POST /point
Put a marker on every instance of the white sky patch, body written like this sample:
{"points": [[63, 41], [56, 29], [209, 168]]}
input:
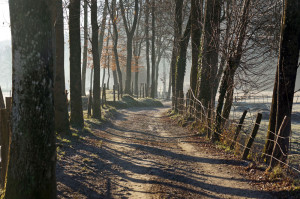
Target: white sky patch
{"points": [[4, 21]]}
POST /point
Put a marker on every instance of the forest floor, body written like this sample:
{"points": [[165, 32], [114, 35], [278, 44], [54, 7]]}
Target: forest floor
{"points": [[142, 153]]}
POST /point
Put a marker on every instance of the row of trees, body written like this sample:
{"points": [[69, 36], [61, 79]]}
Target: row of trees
{"points": [[40, 105], [233, 44]]}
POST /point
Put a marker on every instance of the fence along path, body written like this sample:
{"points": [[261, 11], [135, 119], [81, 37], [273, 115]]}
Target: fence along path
{"points": [[193, 108]]}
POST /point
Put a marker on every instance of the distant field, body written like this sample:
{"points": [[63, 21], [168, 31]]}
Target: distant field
{"points": [[261, 104]]}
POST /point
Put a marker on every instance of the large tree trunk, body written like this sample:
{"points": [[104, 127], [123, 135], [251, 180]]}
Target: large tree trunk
{"points": [[196, 31], [60, 98], [95, 51], [287, 71], [153, 51], [175, 51], [32, 159], [75, 62], [85, 47]]}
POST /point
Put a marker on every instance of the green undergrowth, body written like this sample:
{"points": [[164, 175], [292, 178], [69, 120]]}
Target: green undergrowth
{"points": [[128, 101]]}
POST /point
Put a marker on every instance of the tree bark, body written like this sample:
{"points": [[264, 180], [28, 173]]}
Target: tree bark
{"points": [[75, 62], [85, 47], [130, 34], [60, 99], [147, 46], [232, 64], [153, 51], [95, 51], [32, 159], [196, 31], [287, 71], [102, 32], [210, 49], [175, 51], [269, 145], [181, 63], [115, 42]]}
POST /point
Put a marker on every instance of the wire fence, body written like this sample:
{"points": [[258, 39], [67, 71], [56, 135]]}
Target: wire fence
{"points": [[240, 134]]}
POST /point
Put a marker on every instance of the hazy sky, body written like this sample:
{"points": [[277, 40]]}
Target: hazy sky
{"points": [[4, 20]]}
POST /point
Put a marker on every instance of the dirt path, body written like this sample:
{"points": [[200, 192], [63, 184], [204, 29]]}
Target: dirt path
{"points": [[142, 155]]}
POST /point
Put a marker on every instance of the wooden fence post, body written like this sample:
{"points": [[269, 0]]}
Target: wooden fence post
{"points": [[238, 129], [252, 136]]}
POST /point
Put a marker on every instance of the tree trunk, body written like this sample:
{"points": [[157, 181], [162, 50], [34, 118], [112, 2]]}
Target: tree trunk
{"points": [[224, 53], [287, 71], [91, 79], [232, 65], [175, 51], [153, 51], [210, 49], [106, 60], [181, 63], [170, 85], [103, 77], [196, 31], [102, 31], [147, 46], [75, 62], [85, 47], [130, 34], [269, 145], [60, 99], [228, 101], [128, 65], [136, 81], [115, 77], [115, 43], [95, 51], [108, 72], [32, 159], [160, 52]]}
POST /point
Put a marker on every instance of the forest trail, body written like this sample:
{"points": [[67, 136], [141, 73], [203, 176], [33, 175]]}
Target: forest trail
{"points": [[141, 154]]}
